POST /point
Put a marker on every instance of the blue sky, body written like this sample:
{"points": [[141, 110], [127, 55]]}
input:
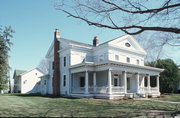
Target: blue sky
{"points": [[34, 22]]}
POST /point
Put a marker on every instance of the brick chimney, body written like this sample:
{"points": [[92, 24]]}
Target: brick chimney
{"points": [[95, 41], [56, 72]]}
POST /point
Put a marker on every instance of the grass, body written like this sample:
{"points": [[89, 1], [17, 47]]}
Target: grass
{"points": [[16, 105], [171, 97]]}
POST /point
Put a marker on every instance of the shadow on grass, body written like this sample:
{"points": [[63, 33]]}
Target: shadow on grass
{"points": [[38, 95]]}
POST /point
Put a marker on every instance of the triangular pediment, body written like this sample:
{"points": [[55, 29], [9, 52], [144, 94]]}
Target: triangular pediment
{"points": [[129, 43]]}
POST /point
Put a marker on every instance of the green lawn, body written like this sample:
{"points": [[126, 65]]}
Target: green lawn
{"points": [[35, 106], [171, 97]]}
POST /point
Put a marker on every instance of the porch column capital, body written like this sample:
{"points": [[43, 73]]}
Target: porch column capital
{"points": [[110, 69]]}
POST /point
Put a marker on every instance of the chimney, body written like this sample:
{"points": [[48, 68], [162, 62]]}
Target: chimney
{"points": [[56, 73], [95, 41]]}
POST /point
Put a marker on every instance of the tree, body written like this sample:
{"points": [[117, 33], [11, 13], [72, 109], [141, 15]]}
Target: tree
{"points": [[130, 16], [169, 78], [44, 66], [5, 43]]}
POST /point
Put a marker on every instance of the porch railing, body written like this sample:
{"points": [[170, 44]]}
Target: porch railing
{"points": [[117, 89], [98, 90], [78, 89], [146, 90], [154, 89]]}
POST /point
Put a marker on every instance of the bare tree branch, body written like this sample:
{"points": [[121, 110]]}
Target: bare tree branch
{"points": [[124, 29], [141, 11]]}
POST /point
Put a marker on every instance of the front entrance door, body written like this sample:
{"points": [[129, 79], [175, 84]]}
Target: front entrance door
{"points": [[128, 83], [116, 80]]}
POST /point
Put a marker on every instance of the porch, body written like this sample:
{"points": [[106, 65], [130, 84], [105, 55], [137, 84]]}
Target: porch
{"points": [[113, 83]]}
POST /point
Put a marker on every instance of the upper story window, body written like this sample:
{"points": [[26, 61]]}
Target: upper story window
{"points": [[128, 59], [137, 61], [25, 81], [64, 80], [101, 58], [117, 57], [53, 65], [127, 44], [64, 61]]}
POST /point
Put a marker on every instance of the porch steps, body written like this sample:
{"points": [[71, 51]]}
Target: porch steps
{"points": [[135, 95]]}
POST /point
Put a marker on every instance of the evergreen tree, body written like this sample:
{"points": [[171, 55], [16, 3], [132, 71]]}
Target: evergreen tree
{"points": [[5, 43]]}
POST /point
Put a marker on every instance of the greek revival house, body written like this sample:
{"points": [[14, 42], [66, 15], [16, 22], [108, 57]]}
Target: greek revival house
{"points": [[110, 70]]}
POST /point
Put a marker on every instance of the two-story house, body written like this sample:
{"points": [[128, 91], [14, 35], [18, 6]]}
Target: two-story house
{"points": [[110, 70]]}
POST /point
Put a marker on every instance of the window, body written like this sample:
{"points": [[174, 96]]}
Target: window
{"points": [[53, 65], [117, 57], [145, 81], [138, 61], [128, 59], [82, 81], [128, 83], [101, 58], [44, 82], [25, 81], [127, 44], [115, 81], [64, 80], [64, 61]]}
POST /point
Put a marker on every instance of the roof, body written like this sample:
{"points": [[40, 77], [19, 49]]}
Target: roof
{"points": [[87, 45], [119, 63], [18, 72], [31, 70], [75, 42]]}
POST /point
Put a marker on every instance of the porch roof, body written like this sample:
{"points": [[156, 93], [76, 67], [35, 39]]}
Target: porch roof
{"points": [[114, 65]]}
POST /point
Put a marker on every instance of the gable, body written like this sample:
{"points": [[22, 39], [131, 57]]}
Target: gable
{"points": [[50, 52], [128, 43], [18, 73], [34, 71]]}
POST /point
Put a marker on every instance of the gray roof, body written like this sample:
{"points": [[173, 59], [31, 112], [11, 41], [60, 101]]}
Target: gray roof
{"points": [[75, 42]]}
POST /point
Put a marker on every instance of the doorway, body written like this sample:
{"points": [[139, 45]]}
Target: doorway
{"points": [[128, 84]]}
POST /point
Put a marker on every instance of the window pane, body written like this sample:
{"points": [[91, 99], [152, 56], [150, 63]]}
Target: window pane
{"points": [[64, 83], [64, 61], [128, 59], [117, 57]]}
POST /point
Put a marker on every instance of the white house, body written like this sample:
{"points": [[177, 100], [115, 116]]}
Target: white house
{"points": [[27, 81], [110, 70]]}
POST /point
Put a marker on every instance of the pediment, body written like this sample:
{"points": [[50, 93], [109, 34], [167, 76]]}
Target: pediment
{"points": [[129, 43]]}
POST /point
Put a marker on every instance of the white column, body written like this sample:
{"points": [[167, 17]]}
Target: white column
{"points": [[94, 81], [148, 80], [125, 81], [142, 83], [157, 82], [137, 78], [109, 81], [86, 82]]}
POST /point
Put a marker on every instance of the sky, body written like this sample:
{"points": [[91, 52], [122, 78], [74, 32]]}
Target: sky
{"points": [[35, 21]]}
